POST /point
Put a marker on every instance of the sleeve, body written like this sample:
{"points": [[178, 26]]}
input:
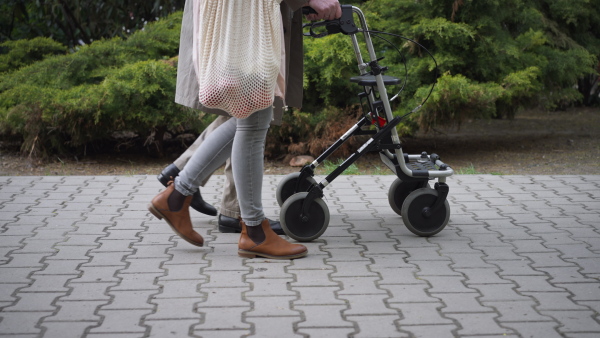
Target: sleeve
{"points": [[295, 4]]}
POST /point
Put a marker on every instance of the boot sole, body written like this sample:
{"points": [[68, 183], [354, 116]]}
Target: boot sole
{"points": [[160, 216], [251, 254]]}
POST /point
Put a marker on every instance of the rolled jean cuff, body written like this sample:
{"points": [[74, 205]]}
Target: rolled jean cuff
{"points": [[179, 186], [254, 223], [229, 213]]}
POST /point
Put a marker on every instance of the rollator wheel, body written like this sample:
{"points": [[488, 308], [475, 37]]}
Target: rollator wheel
{"points": [[414, 217], [308, 229], [286, 187], [399, 190]]}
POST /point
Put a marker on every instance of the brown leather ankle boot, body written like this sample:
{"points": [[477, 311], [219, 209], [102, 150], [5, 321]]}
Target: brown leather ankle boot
{"points": [[273, 247], [179, 220]]}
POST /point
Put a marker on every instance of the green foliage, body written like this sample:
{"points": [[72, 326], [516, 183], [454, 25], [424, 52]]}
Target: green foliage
{"points": [[494, 59], [330, 166], [329, 63], [455, 99], [66, 102], [79, 22], [16, 54]]}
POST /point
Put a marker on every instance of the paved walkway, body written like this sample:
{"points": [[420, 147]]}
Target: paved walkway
{"points": [[81, 256]]}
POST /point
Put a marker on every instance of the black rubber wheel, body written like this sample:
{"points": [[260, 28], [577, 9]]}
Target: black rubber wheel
{"points": [[308, 229], [399, 190], [286, 187], [414, 217]]}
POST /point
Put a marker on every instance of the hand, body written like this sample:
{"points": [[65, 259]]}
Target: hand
{"points": [[326, 10]]}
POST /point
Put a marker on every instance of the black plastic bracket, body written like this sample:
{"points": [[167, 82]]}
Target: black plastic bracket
{"points": [[306, 172], [442, 189], [315, 192]]}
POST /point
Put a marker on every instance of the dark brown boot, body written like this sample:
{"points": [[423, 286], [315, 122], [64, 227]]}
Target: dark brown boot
{"points": [[272, 247], [177, 218]]}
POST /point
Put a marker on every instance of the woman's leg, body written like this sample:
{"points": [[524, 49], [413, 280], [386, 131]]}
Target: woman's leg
{"points": [[247, 159], [173, 203], [210, 155]]}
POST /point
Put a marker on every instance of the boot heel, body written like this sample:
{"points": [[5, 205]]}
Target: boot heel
{"points": [[154, 212], [246, 254]]}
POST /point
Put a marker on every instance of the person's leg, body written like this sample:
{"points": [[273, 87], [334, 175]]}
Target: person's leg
{"points": [[181, 161], [173, 203], [230, 207], [208, 157], [229, 213], [256, 240], [172, 170], [247, 157]]}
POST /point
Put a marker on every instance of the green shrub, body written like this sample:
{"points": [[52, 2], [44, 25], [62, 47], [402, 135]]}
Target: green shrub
{"points": [[16, 54], [455, 99], [67, 102]]}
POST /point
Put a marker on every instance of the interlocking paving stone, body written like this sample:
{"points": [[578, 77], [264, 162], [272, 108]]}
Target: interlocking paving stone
{"points": [[82, 257]]}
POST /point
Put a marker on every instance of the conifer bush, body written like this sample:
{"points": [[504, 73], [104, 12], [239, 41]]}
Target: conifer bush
{"points": [[71, 101]]}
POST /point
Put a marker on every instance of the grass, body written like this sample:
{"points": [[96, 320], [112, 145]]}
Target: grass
{"points": [[328, 167], [470, 170]]}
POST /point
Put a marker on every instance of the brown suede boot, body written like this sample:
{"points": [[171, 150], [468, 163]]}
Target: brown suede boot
{"points": [[273, 246], [179, 219]]}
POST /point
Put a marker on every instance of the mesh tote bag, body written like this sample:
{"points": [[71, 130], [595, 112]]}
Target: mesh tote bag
{"points": [[237, 53]]}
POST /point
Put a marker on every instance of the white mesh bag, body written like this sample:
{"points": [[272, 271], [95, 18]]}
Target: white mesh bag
{"points": [[237, 53]]}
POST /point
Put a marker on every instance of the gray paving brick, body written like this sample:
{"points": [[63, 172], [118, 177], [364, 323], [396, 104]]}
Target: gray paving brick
{"points": [[82, 256], [534, 284], [232, 296], [175, 309], [462, 303], [66, 329], [33, 302], [582, 291], [517, 311], [314, 278], [551, 301], [422, 314], [91, 274], [130, 299], [575, 321], [120, 321], [172, 327], [21, 323], [48, 283], [500, 293], [317, 296], [409, 293], [359, 286], [473, 324], [376, 326], [323, 316], [94, 291], [26, 260], [61, 267], [271, 307], [179, 289], [400, 276], [284, 326], [429, 330], [222, 318], [447, 284], [74, 311]]}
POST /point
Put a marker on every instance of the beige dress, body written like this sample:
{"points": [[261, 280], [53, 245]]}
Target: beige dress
{"points": [[187, 85]]}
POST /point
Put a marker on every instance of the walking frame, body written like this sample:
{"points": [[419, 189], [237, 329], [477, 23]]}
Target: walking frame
{"points": [[425, 211]]}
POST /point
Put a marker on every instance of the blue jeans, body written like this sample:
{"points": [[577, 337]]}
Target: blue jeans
{"points": [[244, 141]]}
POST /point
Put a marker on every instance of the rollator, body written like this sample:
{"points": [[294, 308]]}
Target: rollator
{"points": [[425, 210]]}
